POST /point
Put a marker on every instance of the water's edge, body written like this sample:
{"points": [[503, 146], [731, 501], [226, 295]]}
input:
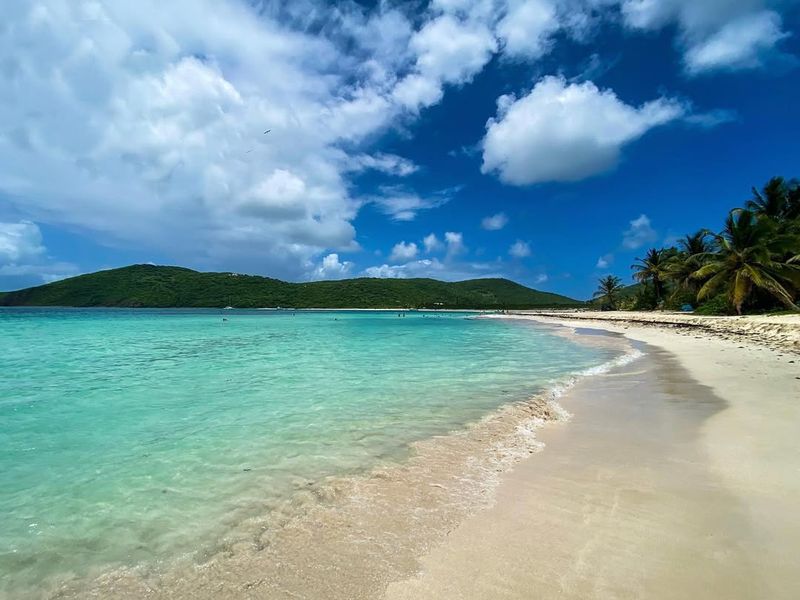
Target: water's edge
{"points": [[347, 537]]}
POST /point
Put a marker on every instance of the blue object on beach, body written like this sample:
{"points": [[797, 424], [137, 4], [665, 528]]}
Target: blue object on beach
{"points": [[687, 308]]}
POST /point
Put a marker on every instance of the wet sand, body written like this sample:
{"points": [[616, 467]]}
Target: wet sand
{"points": [[678, 477]]}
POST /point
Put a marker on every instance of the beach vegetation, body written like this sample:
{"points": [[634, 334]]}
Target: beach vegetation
{"points": [[608, 292], [751, 265]]}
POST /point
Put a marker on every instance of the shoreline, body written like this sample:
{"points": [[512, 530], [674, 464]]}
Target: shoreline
{"points": [[780, 332], [349, 537], [400, 531], [685, 486]]}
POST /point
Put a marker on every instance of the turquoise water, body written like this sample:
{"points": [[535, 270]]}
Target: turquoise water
{"points": [[134, 435]]}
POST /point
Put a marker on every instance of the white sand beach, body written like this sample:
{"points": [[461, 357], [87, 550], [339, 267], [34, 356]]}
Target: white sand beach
{"points": [[677, 477]]}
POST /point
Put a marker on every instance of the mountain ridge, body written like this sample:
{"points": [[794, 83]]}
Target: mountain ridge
{"points": [[155, 286]]}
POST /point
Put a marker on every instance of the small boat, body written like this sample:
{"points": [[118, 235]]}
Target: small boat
{"points": [[228, 308]]}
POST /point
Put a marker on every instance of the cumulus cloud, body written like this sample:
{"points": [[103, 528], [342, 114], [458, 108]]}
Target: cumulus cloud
{"points": [[432, 243], [402, 252], [494, 222], [436, 269], [448, 50], [742, 43], [566, 132], [520, 249], [332, 268], [714, 34], [639, 233], [155, 137], [455, 243], [527, 27], [604, 261], [20, 242], [23, 256]]}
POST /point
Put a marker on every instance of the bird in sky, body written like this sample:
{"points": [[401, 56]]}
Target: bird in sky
{"points": [[267, 131]]}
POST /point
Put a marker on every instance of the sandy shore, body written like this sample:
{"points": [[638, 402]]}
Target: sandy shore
{"points": [[774, 331], [678, 477]]}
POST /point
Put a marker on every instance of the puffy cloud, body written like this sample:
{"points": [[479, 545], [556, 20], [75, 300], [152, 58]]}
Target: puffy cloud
{"points": [[739, 44], [455, 243], [565, 132], [402, 252], [448, 50], [154, 136], [527, 27], [604, 261], [494, 222], [402, 204], [432, 243], [639, 233], [436, 269], [519, 249], [23, 257], [714, 34], [20, 242], [332, 268]]}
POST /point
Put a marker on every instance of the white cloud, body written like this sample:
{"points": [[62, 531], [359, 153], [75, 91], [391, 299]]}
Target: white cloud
{"points": [[449, 50], [494, 222], [565, 132], [432, 243], [402, 252], [714, 34], [455, 243], [604, 261], [20, 242], [435, 269], [391, 164], [519, 249], [332, 268], [154, 136], [527, 27], [541, 278], [23, 254], [739, 44], [403, 205], [639, 233]]}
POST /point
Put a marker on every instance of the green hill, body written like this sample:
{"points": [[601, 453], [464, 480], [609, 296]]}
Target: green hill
{"points": [[163, 287]]}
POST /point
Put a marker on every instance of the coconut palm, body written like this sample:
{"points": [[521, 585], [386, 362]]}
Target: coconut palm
{"points": [[609, 288], [695, 243], [778, 199], [683, 264], [750, 256], [653, 268]]}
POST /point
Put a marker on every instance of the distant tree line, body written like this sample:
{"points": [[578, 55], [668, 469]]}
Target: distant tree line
{"points": [[752, 265]]}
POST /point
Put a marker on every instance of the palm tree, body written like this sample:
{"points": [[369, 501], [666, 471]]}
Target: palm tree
{"points": [[683, 264], [750, 256], [653, 267], [779, 200], [695, 243], [608, 288]]}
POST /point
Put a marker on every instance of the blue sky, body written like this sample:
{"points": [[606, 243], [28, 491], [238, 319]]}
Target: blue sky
{"points": [[548, 141]]}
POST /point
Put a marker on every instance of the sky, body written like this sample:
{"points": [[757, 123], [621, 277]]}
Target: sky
{"points": [[547, 141]]}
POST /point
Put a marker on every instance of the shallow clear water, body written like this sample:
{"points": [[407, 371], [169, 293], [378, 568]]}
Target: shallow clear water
{"points": [[133, 435]]}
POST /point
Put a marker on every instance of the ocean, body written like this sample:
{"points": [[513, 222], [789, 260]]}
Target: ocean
{"points": [[130, 437]]}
